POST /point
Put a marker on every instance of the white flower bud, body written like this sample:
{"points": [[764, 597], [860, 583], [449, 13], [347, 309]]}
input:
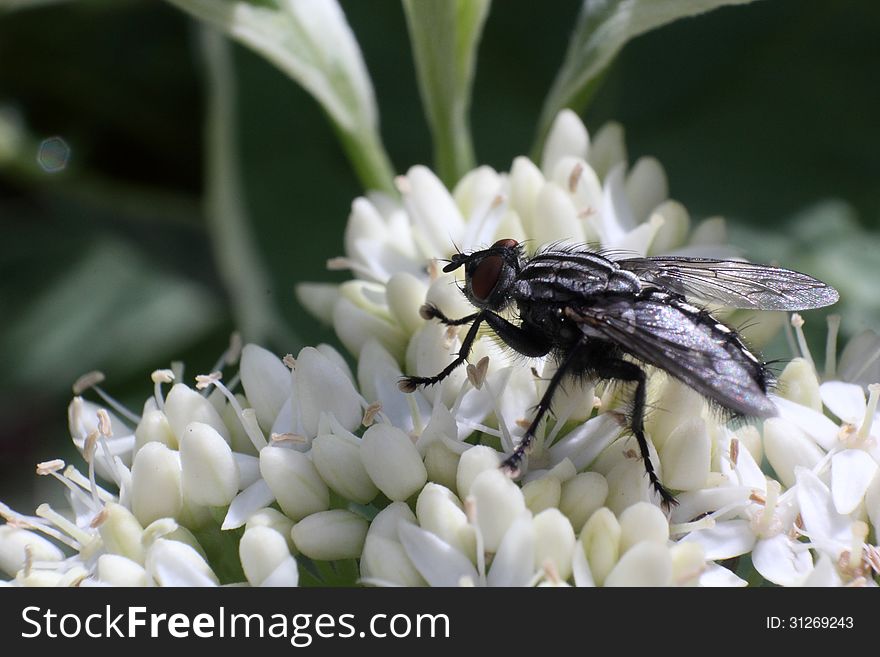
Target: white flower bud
{"points": [[474, 461], [266, 382], [688, 563], [445, 295], [686, 456], [559, 218], [273, 519], [14, 540], [673, 232], [263, 551], [749, 436], [354, 325], [554, 541], [294, 481], [675, 402], [645, 564], [121, 532], [330, 535], [155, 483], [601, 541], [392, 461], [567, 136], [526, 180], [799, 383], [642, 522], [238, 437], [441, 464], [116, 570], [440, 512], [209, 471], [154, 427], [787, 447], [436, 218], [383, 557], [498, 502], [169, 529], [608, 148], [172, 563], [319, 299], [322, 387], [646, 187], [406, 294], [627, 484], [184, 405], [429, 351], [581, 496], [338, 461], [543, 493]]}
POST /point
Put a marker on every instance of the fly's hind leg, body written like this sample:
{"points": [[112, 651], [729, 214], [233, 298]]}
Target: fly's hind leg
{"points": [[621, 370]]}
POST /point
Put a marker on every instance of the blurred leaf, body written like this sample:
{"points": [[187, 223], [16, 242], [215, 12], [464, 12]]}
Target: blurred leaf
{"points": [[13, 5], [110, 309], [603, 28], [444, 36], [238, 259], [311, 42]]}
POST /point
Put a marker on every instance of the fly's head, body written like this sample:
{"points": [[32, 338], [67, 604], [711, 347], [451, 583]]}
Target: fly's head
{"points": [[489, 273]]}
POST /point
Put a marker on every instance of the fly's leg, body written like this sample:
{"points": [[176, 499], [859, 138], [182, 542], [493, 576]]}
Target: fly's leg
{"points": [[613, 368], [410, 383], [513, 462]]}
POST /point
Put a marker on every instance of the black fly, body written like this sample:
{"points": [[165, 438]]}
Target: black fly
{"points": [[589, 313]]}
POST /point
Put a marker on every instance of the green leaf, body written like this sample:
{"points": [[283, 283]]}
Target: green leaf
{"points": [[312, 43], [603, 28], [444, 36]]}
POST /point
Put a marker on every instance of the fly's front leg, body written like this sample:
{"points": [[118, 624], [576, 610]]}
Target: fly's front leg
{"points": [[410, 383], [614, 368]]}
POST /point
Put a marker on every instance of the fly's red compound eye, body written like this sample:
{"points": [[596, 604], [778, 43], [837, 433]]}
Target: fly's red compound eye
{"points": [[506, 244], [485, 277]]}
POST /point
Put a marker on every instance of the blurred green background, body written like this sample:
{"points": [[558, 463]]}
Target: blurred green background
{"points": [[766, 114]]}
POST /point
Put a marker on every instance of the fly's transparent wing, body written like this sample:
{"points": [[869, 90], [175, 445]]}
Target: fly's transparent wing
{"points": [[733, 283], [685, 345]]}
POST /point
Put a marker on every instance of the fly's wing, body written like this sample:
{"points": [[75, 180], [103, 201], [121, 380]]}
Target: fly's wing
{"points": [[684, 344], [733, 283]]}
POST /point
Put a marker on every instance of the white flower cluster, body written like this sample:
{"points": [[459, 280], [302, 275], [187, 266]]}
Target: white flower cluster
{"points": [[312, 462]]}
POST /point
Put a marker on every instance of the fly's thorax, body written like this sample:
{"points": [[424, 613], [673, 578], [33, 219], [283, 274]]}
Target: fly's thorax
{"points": [[572, 276]]}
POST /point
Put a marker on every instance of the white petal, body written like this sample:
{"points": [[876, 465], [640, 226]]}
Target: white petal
{"points": [[824, 574], [787, 448], [252, 498], [646, 186], [727, 539], [405, 294], [799, 383], [330, 535], [437, 221], [338, 460], [498, 502], [559, 220], [852, 471], [437, 561], [554, 541], [567, 136], [686, 456], [608, 148], [209, 474], [323, 387], [261, 551], [692, 504], [642, 522], [581, 496], [814, 424], [646, 564], [294, 481], [474, 461], [392, 461], [285, 574], [318, 299], [116, 570], [266, 382], [513, 563], [441, 513], [526, 180], [16, 542], [715, 575], [184, 405], [587, 441], [827, 528], [781, 560], [600, 538], [845, 400], [156, 488], [172, 563], [248, 468], [580, 567]]}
